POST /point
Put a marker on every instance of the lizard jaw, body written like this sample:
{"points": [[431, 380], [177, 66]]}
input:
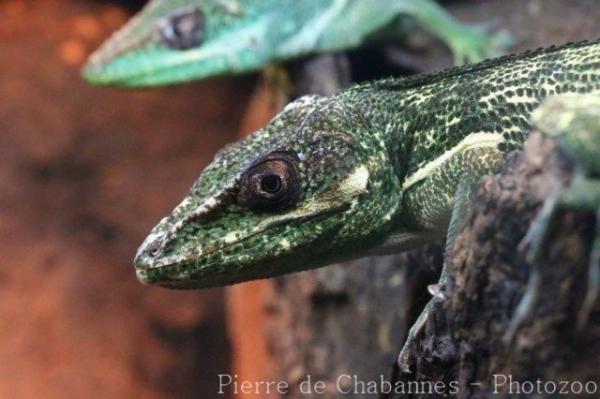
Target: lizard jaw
{"points": [[147, 264]]}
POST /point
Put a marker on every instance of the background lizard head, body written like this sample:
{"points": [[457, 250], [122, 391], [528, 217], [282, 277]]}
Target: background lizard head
{"points": [[305, 191], [172, 41]]}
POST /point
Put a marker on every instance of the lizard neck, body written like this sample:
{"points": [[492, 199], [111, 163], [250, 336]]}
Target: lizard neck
{"points": [[384, 125], [432, 129]]}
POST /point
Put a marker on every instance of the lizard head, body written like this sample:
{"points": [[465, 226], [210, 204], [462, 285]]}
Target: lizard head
{"points": [[172, 41], [303, 192]]}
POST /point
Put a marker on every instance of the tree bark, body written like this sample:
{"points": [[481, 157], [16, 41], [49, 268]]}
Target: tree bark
{"points": [[345, 324], [465, 339]]}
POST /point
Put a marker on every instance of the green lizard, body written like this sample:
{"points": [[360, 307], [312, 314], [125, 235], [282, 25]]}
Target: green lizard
{"points": [[376, 169], [173, 41]]}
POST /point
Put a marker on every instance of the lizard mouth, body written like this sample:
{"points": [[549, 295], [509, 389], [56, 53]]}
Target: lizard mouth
{"points": [[160, 67], [174, 271], [148, 71], [118, 64], [223, 260]]}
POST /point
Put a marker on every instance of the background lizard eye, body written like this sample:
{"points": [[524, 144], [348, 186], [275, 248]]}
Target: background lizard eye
{"points": [[183, 30], [271, 184]]}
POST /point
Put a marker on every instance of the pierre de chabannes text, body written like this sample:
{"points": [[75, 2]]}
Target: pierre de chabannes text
{"points": [[352, 384]]}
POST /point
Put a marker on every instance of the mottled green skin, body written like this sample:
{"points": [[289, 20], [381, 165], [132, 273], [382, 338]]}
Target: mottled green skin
{"points": [[378, 161], [244, 35]]}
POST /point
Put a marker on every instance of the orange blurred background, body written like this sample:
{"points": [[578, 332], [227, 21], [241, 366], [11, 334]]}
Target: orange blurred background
{"points": [[86, 172]]}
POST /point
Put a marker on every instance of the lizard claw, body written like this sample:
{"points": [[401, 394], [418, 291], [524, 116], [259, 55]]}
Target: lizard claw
{"points": [[401, 365], [404, 355], [404, 358], [436, 290], [479, 42]]}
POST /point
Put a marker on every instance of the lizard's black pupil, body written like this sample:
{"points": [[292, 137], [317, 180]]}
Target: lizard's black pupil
{"points": [[271, 184], [183, 30]]}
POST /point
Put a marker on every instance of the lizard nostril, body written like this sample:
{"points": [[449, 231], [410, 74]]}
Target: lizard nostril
{"points": [[154, 250]]}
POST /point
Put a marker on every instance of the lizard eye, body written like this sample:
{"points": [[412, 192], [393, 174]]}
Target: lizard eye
{"points": [[183, 30], [271, 184]]}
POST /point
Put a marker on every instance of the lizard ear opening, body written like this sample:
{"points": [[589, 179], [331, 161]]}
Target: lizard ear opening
{"points": [[270, 184], [183, 30]]}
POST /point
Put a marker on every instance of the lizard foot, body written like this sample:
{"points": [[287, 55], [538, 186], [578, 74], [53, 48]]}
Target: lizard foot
{"points": [[436, 291], [402, 363], [476, 43], [404, 358]]}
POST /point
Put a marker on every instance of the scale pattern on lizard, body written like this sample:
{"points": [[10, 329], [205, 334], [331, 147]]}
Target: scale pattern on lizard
{"points": [[173, 41], [371, 170]]}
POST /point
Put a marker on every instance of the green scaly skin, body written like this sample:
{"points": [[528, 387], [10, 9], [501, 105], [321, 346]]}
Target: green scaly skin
{"points": [[162, 46], [377, 167]]}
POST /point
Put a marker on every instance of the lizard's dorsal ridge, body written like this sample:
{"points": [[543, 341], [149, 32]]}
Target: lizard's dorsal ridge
{"points": [[422, 79]]}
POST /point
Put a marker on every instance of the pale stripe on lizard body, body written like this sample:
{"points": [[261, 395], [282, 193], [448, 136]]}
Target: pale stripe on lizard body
{"points": [[468, 118]]}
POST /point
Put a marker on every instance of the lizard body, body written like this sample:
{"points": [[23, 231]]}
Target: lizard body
{"points": [[173, 41], [375, 169]]}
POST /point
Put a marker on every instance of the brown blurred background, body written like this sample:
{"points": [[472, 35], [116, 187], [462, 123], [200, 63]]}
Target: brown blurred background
{"points": [[87, 171]]}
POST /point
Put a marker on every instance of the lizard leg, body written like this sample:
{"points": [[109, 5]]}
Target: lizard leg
{"points": [[459, 211], [468, 43]]}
